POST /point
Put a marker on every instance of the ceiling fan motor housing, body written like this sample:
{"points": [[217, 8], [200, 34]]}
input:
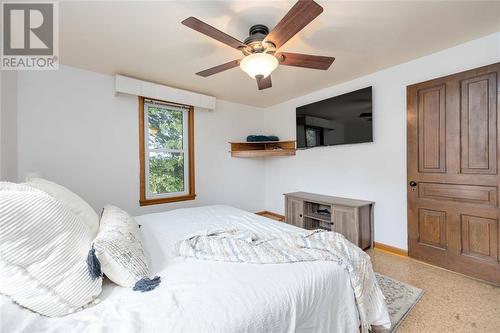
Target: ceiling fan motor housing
{"points": [[257, 33], [258, 29]]}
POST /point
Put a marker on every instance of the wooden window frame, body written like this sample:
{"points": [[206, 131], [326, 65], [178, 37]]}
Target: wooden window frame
{"points": [[143, 201]]}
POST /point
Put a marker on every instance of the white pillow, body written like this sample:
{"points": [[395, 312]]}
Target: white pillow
{"points": [[79, 206], [43, 252], [118, 248]]}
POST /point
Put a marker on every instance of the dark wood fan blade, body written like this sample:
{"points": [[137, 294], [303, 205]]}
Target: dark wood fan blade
{"points": [[304, 60], [300, 15], [264, 82], [220, 68], [206, 29]]}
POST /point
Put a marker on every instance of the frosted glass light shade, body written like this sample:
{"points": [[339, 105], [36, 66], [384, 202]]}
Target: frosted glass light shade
{"points": [[259, 64]]}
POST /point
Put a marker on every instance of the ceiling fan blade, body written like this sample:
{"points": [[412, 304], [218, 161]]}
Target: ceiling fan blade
{"points": [[206, 29], [220, 68], [304, 60], [300, 15], [264, 82]]}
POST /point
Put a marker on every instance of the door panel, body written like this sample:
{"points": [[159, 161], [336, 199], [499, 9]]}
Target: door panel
{"points": [[344, 222], [483, 195], [294, 212], [453, 181], [432, 228], [478, 120], [431, 127], [479, 237]]}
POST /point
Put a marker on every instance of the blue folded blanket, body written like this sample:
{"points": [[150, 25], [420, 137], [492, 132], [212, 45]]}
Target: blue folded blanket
{"points": [[259, 138]]}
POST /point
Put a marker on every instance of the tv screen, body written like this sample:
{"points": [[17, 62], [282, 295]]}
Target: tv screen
{"points": [[334, 121]]}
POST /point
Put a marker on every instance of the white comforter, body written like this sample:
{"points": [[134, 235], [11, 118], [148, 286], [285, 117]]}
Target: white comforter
{"points": [[209, 296]]}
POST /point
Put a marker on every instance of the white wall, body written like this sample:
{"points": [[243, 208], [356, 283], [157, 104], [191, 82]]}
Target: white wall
{"points": [[373, 171], [8, 125], [75, 131]]}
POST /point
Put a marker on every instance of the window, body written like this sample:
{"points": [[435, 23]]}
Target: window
{"points": [[166, 152]]}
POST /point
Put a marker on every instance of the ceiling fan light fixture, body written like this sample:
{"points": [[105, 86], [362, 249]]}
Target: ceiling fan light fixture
{"points": [[260, 47], [259, 64]]}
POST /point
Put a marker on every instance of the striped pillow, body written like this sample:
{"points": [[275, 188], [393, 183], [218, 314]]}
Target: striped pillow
{"points": [[43, 252], [69, 199], [118, 248]]}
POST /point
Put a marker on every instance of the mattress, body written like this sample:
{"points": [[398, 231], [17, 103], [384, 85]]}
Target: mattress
{"points": [[209, 296]]}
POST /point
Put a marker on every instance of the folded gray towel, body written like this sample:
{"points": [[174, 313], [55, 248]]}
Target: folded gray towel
{"points": [[259, 138]]}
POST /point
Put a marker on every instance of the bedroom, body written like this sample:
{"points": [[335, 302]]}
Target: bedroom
{"points": [[78, 124]]}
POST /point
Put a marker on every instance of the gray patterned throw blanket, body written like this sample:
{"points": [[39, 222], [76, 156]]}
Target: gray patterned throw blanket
{"points": [[244, 247]]}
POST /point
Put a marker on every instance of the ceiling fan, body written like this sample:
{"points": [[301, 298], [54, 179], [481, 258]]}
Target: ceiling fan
{"points": [[261, 47]]}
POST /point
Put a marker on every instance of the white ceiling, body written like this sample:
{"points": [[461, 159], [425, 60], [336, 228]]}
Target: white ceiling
{"points": [[146, 40]]}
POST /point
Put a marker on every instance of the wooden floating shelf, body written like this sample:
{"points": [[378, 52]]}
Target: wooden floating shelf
{"points": [[262, 148]]}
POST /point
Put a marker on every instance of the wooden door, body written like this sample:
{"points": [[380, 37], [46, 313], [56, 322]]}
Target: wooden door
{"points": [[294, 212], [453, 181]]}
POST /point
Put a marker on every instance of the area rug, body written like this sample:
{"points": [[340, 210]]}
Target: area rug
{"points": [[400, 298]]}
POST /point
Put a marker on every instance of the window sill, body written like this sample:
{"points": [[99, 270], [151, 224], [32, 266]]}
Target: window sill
{"points": [[149, 202]]}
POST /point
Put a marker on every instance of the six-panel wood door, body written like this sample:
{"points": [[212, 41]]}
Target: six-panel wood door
{"points": [[453, 181]]}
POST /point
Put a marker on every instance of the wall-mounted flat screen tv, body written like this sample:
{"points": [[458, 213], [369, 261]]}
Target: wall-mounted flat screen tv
{"points": [[338, 120]]}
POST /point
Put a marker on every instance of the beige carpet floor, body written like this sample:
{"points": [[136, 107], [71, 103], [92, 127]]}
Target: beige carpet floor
{"points": [[451, 303]]}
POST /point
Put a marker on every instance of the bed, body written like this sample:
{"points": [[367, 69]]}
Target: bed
{"points": [[209, 296]]}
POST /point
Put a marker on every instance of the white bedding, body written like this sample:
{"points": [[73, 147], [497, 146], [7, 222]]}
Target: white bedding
{"points": [[209, 296]]}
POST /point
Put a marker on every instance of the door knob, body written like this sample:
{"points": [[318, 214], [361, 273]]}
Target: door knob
{"points": [[413, 183]]}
